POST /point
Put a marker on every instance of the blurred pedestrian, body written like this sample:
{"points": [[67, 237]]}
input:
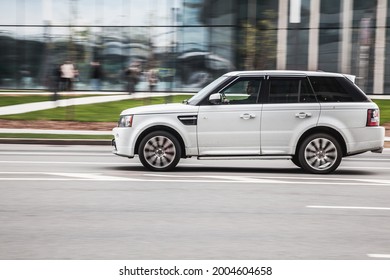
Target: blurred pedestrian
{"points": [[68, 74], [25, 77], [96, 75], [132, 75], [152, 79], [55, 81]]}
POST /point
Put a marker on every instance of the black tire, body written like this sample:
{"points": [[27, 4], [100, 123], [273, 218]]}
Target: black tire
{"points": [[159, 151], [320, 154], [295, 160]]}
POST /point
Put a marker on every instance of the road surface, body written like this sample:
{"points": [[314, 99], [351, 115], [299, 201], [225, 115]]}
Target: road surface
{"points": [[80, 202]]}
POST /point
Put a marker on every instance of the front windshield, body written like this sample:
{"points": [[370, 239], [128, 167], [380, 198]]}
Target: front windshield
{"points": [[205, 91]]}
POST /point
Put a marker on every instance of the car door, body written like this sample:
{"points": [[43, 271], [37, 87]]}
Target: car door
{"points": [[290, 108], [232, 126]]}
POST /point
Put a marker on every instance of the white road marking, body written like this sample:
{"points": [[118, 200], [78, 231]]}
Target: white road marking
{"points": [[366, 159], [149, 177], [379, 256], [92, 176], [181, 164], [365, 167], [282, 179], [63, 177], [223, 178], [348, 207], [84, 163]]}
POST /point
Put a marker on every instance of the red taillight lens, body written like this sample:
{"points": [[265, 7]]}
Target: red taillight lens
{"points": [[373, 117]]}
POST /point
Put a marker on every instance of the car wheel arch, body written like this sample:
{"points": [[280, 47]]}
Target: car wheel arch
{"points": [[161, 128], [327, 130]]}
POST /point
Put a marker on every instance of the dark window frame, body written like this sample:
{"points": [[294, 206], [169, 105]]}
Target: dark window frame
{"points": [[336, 89], [310, 96]]}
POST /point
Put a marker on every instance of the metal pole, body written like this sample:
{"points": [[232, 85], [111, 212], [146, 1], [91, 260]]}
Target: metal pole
{"points": [[380, 46], [281, 55]]}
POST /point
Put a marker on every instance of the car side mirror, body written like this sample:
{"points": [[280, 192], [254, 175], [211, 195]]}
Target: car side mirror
{"points": [[215, 98]]}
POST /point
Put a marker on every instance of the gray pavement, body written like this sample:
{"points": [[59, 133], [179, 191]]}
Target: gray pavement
{"points": [[72, 202]]}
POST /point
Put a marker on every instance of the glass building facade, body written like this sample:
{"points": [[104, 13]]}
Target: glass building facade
{"points": [[190, 42]]}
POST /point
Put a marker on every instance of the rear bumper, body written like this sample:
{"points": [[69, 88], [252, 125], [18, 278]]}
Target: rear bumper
{"points": [[379, 150], [366, 139]]}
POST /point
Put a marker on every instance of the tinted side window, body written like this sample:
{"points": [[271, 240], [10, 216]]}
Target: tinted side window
{"points": [[336, 89], [290, 90]]}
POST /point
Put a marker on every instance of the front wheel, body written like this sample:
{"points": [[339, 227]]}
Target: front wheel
{"points": [[320, 153], [295, 160], [159, 151]]}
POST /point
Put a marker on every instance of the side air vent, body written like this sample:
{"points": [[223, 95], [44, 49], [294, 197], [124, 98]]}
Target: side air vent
{"points": [[189, 120]]}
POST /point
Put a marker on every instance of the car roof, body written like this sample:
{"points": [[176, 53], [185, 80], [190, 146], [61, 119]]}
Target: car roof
{"points": [[284, 72], [290, 73]]}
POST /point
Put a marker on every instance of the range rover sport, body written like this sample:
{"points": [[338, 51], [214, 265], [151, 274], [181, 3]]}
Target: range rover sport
{"points": [[313, 118]]}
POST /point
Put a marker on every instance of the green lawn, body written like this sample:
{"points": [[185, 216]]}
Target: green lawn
{"points": [[7, 100], [98, 112], [384, 106]]}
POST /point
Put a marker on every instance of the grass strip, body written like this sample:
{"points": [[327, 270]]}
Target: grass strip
{"points": [[8, 100], [98, 112], [384, 106]]}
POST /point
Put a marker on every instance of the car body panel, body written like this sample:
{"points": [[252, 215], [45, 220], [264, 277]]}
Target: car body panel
{"points": [[229, 129], [283, 124], [349, 119], [145, 118], [170, 108]]}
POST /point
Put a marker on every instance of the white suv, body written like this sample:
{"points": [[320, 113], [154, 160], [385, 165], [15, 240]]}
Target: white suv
{"points": [[312, 118]]}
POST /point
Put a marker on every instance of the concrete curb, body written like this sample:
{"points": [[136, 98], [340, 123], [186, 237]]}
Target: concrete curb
{"points": [[42, 141], [54, 131]]}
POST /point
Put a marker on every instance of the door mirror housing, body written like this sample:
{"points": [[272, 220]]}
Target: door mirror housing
{"points": [[215, 98]]}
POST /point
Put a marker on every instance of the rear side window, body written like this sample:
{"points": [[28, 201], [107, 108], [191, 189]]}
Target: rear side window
{"points": [[336, 89], [290, 90]]}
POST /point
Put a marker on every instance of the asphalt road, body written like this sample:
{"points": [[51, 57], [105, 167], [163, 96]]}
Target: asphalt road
{"points": [[81, 202]]}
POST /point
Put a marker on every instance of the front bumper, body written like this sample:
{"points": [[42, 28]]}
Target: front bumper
{"points": [[113, 145], [122, 142]]}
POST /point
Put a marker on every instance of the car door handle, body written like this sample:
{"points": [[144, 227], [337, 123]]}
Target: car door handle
{"points": [[302, 115], [247, 116]]}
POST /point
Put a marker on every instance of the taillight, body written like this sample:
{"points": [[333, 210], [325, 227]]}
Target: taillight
{"points": [[373, 117]]}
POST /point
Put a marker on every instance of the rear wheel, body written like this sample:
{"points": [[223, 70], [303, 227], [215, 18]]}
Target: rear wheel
{"points": [[159, 151], [320, 153]]}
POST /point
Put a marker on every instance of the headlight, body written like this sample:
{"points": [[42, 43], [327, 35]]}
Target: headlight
{"points": [[125, 121]]}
